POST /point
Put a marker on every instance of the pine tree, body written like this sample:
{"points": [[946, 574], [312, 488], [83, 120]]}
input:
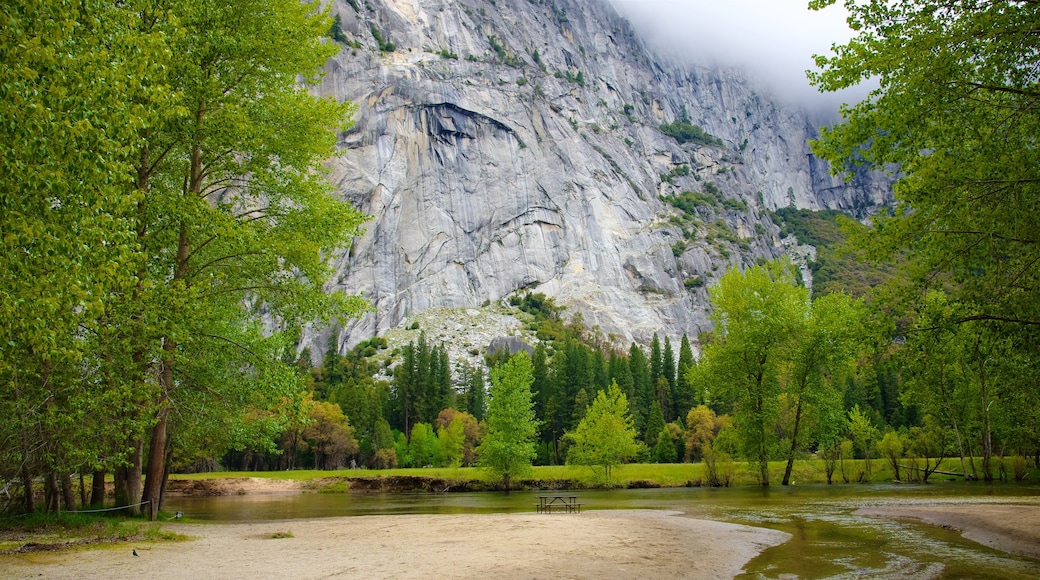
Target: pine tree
{"points": [[684, 397]]}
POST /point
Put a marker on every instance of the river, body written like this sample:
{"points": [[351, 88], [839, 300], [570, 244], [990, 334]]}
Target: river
{"points": [[828, 540]]}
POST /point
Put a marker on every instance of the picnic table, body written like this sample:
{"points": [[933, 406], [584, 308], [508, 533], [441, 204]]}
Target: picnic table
{"points": [[561, 503]]}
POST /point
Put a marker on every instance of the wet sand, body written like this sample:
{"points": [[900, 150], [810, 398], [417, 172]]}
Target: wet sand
{"points": [[1011, 528], [597, 544]]}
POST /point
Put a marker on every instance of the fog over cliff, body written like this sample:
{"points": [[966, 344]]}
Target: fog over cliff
{"points": [[772, 40], [504, 147]]}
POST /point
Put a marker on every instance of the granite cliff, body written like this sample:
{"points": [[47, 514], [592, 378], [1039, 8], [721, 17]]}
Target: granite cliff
{"points": [[509, 145]]}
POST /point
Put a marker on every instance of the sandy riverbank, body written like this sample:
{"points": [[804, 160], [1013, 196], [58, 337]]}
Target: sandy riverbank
{"points": [[1012, 528], [597, 544]]}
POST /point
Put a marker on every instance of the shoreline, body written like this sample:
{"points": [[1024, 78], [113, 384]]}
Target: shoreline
{"points": [[646, 544], [1009, 527]]}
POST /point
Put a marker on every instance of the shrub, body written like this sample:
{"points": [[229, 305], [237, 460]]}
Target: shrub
{"points": [[686, 132]]}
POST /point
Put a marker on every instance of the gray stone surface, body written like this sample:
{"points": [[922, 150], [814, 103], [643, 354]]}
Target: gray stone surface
{"points": [[485, 175]]}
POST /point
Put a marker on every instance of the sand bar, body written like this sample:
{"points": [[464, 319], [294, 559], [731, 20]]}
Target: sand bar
{"points": [[1012, 528], [640, 544]]}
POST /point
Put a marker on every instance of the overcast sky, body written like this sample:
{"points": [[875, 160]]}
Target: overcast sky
{"points": [[773, 39]]}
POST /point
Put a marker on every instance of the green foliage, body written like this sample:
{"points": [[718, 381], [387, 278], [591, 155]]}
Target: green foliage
{"points": [[508, 448], [837, 268], [694, 282], [668, 448], [422, 445], [654, 424], [213, 208], [685, 132], [503, 54], [336, 30], [447, 54], [538, 305], [605, 437], [678, 171], [955, 109], [384, 45], [690, 201], [578, 79], [757, 315]]}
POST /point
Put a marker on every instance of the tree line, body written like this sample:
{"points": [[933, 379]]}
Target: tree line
{"points": [[166, 226]]}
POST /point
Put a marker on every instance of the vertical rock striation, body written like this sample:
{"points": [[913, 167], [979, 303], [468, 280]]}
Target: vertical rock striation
{"points": [[516, 144]]}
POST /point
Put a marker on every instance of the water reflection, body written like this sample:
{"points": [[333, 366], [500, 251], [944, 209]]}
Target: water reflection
{"points": [[828, 540]]}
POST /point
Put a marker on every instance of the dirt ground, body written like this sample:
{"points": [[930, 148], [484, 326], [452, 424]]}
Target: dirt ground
{"points": [[1007, 527], [597, 544]]}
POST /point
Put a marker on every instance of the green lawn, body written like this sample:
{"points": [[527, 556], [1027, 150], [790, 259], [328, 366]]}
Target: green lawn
{"points": [[630, 475]]}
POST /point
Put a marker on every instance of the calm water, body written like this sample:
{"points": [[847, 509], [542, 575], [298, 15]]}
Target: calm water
{"points": [[828, 540]]}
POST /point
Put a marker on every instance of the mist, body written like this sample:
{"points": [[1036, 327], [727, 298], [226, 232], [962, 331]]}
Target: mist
{"points": [[772, 40]]}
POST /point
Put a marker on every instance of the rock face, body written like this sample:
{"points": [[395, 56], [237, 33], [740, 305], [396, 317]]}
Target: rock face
{"points": [[515, 145]]}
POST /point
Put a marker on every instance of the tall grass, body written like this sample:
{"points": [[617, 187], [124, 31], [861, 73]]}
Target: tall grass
{"points": [[806, 471]]}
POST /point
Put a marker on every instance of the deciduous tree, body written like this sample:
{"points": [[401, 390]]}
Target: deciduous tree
{"points": [[606, 436], [509, 446], [758, 315]]}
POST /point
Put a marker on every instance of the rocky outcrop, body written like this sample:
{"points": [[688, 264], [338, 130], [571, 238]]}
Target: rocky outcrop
{"points": [[504, 146]]}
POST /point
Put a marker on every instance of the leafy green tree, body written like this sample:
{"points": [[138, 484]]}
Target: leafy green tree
{"points": [[237, 216], [383, 436], [606, 436], [955, 108], [476, 390], [665, 449], [581, 405], [451, 441], [702, 426], [422, 445], [820, 361], [891, 448], [758, 315], [864, 435], [468, 427], [330, 436], [928, 446], [935, 380], [71, 87], [668, 372], [508, 448], [656, 362]]}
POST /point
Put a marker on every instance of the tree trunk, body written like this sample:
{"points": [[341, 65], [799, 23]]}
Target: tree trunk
{"points": [[51, 496], [763, 466], [82, 489], [97, 489], [120, 495], [987, 439], [794, 443], [960, 443], [27, 485], [166, 474], [156, 459], [763, 454], [133, 479], [68, 496]]}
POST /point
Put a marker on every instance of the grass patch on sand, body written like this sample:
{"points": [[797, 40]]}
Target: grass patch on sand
{"points": [[42, 532]]}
